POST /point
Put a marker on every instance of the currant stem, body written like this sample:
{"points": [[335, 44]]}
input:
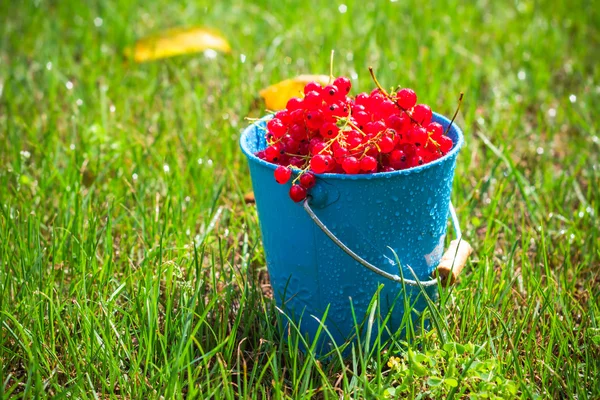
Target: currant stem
{"points": [[381, 89], [331, 77], [455, 113]]}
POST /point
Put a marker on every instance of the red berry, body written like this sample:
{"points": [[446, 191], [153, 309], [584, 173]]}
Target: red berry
{"points": [[290, 144], [368, 164], [272, 153], [307, 180], [329, 130], [282, 174], [362, 99], [351, 165], [320, 163], [298, 132], [314, 119], [418, 135], [422, 114], [386, 144], [312, 99], [283, 116], [398, 160], [406, 98], [276, 128], [294, 104], [436, 130], [313, 86], [445, 144], [331, 94], [343, 84], [297, 162], [297, 193], [297, 116]]}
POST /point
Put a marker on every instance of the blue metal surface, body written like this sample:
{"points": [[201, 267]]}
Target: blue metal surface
{"points": [[406, 210]]}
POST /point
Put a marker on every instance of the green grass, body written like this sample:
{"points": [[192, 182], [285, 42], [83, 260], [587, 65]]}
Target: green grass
{"points": [[132, 268]]}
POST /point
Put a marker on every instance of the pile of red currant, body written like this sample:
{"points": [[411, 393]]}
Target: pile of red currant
{"points": [[326, 131]]}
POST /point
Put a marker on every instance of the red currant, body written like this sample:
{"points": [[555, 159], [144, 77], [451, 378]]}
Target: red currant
{"points": [[276, 128], [351, 165], [329, 130], [282, 174], [319, 163], [307, 180], [368, 164], [313, 87], [294, 104], [297, 193], [422, 114], [406, 98], [343, 84], [445, 144]]}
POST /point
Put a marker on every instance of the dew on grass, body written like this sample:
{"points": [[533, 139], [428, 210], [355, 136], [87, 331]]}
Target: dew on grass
{"points": [[595, 139], [166, 168], [349, 56], [200, 161], [589, 210], [112, 108], [79, 102], [242, 58], [210, 54], [72, 146], [572, 98], [581, 214], [25, 154], [353, 75], [209, 162], [188, 199], [552, 112], [342, 8], [49, 66], [521, 75], [98, 22], [540, 150], [69, 85], [562, 232], [134, 177]]}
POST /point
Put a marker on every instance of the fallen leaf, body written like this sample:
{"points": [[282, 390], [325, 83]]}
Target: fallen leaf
{"points": [[178, 41], [277, 95]]}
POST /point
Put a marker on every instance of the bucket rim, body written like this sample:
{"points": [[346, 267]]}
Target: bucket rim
{"points": [[436, 117]]}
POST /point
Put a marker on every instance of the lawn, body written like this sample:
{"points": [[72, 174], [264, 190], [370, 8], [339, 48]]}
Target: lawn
{"points": [[132, 267]]}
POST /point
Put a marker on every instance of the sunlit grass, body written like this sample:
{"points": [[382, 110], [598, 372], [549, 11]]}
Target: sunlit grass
{"points": [[132, 267]]}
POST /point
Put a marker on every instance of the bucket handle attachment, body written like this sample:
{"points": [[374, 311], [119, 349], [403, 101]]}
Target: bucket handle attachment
{"points": [[450, 266]]}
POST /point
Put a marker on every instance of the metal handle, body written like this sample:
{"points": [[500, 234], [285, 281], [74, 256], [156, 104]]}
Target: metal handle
{"points": [[365, 263]]}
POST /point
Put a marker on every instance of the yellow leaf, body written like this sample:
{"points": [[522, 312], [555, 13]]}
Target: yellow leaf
{"points": [[277, 95], [174, 42]]}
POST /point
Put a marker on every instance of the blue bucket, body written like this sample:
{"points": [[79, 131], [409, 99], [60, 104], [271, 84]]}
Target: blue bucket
{"points": [[317, 251]]}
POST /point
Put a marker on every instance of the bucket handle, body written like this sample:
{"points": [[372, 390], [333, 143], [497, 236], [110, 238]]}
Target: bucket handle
{"points": [[450, 266]]}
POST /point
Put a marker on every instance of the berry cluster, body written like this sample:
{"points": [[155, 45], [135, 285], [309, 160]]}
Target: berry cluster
{"points": [[327, 131]]}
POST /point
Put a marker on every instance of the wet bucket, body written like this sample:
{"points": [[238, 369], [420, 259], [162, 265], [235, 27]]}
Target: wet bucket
{"points": [[332, 252]]}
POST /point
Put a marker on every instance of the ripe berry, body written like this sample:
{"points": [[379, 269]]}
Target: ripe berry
{"points": [[293, 104], [329, 130], [343, 84], [445, 144], [418, 135], [436, 130], [331, 94], [386, 144], [314, 119], [297, 193], [422, 114], [276, 128], [351, 165], [398, 160], [282, 174], [406, 98], [272, 153], [368, 164], [312, 99], [297, 162], [313, 86], [284, 117], [307, 180], [320, 163]]}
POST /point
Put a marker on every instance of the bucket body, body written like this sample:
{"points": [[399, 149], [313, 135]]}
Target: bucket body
{"points": [[404, 210]]}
